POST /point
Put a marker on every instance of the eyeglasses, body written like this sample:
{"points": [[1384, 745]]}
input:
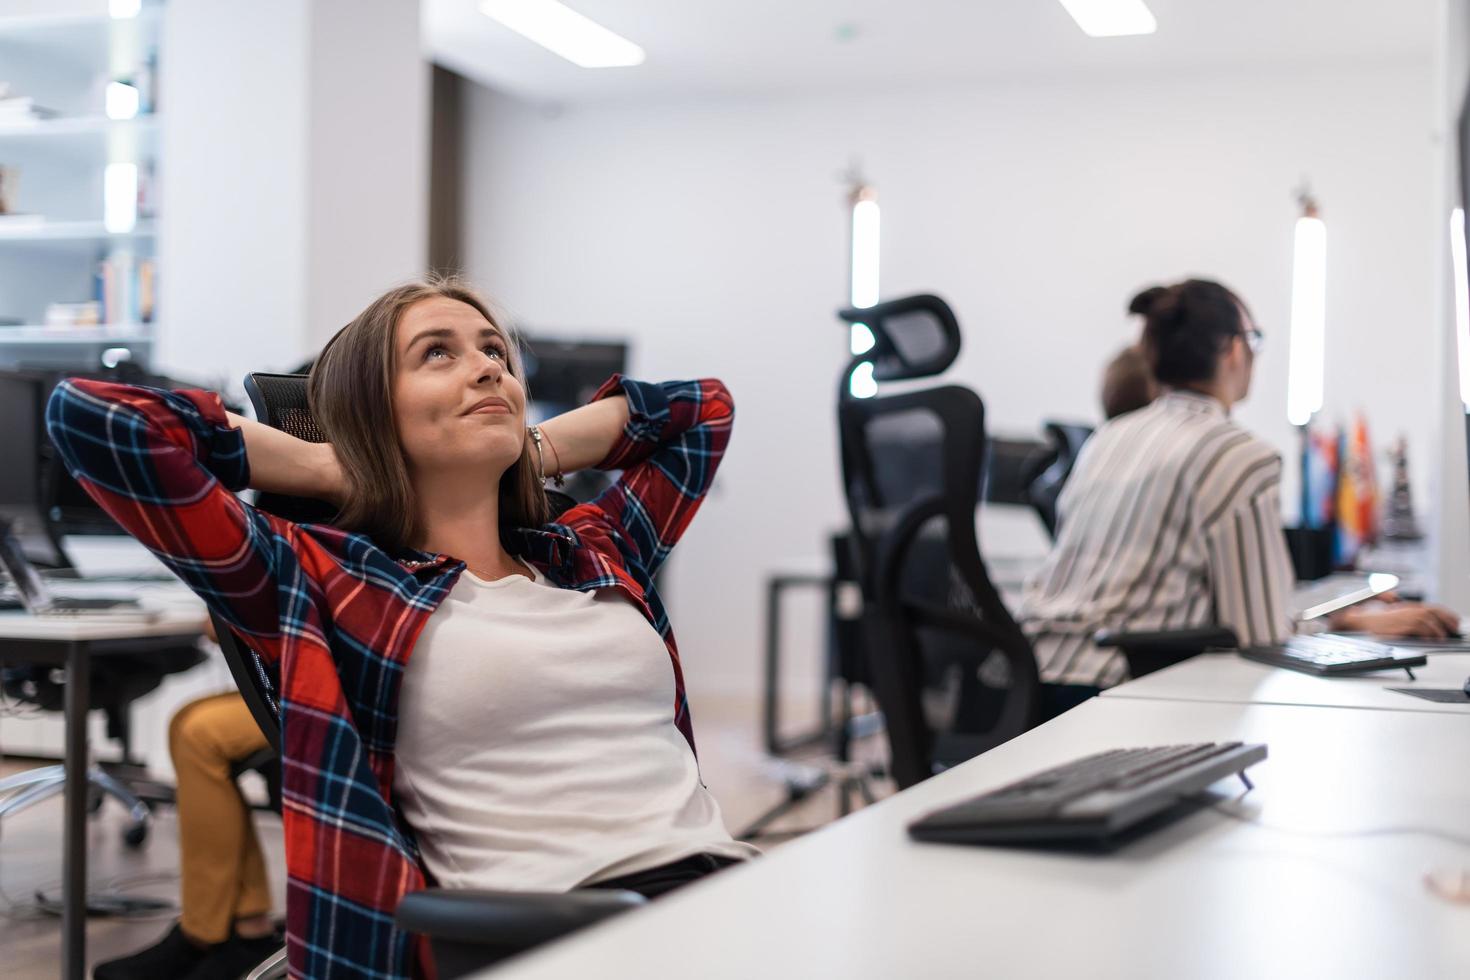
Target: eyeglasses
{"points": [[1254, 339]]}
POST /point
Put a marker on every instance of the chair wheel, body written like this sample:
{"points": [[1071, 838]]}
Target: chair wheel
{"points": [[135, 835]]}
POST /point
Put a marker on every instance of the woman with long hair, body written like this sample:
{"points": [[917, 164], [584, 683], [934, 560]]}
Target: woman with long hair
{"points": [[474, 691]]}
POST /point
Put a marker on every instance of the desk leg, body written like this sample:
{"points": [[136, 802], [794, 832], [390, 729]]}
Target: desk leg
{"points": [[74, 853], [773, 666]]}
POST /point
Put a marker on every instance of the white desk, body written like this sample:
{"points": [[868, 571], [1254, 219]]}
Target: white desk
{"points": [[1204, 897], [1227, 677], [171, 622], [68, 642]]}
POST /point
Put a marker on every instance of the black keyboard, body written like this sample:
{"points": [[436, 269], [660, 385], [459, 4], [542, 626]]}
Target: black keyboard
{"points": [[1091, 798], [1332, 653]]}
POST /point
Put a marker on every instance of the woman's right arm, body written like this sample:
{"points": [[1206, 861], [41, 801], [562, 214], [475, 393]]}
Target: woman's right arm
{"points": [[166, 465], [1251, 575], [281, 463]]}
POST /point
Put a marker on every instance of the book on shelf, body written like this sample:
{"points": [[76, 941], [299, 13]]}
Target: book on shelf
{"points": [[23, 108], [66, 316], [126, 288]]}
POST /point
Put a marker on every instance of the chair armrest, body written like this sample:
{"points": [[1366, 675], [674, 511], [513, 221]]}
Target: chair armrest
{"points": [[500, 918], [1148, 652], [1171, 641]]}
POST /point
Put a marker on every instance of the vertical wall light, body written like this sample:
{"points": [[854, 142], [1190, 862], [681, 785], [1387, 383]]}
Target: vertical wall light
{"points": [[120, 197], [1306, 360], [122, 100], [1462, 301], [863, 279]]}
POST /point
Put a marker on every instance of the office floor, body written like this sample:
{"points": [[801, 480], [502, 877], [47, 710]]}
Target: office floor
{"points": [[743, 780]]}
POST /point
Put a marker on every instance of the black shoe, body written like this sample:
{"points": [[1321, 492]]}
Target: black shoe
{"points": [[171, 958], [236, 957]]}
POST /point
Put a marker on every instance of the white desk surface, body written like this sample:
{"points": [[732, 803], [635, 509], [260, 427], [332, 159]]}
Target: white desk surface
{"points": [[1228, 677], [180, 612], [1207, 896]]}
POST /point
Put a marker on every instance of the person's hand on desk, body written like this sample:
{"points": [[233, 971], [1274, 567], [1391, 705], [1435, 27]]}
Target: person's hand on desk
{"points": [[1401, 619]]}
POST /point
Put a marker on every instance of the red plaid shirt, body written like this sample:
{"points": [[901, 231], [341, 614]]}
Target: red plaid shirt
{"points": [[335, 617]]}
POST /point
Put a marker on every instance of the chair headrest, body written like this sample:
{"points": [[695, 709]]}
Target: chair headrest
{"points": [[280, 402], [914, 336]]}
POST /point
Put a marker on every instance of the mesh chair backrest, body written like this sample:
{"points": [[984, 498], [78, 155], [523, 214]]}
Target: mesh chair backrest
{"points": [[1046, 488], [254, 680], [913, 337], [280, 402]]}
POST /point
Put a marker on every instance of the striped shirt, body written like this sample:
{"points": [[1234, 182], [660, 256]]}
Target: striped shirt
{"points": [[1171, 519]]}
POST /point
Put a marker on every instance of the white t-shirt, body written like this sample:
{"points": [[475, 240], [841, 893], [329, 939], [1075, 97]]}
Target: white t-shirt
{"points": [[536, 745]]}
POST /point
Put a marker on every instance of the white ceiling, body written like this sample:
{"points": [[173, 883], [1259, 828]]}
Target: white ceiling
{"points": [[742, 48]]}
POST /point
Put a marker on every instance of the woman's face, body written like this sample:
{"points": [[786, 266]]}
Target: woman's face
{"points": [[455, 403], [1241, 359]]}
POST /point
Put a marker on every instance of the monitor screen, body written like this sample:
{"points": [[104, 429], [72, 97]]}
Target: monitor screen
{"points": [[563, 374], [22, 574], [20, 407]]}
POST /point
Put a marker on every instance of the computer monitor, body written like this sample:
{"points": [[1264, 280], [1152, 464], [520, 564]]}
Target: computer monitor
{"points": [[564, 374], [22, 406]]}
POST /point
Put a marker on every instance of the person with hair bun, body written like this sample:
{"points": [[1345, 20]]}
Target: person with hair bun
{"points": [[1172, 517]]}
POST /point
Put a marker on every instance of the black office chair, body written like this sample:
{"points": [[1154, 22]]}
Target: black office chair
{"points": [[1045, 486], [951, 670], [118, 679], [1011, 466], [468, 929]]}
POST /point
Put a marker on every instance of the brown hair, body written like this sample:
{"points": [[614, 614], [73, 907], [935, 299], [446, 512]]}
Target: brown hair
{"points": [[1186, 327], [350, 390], [1128, 384]]}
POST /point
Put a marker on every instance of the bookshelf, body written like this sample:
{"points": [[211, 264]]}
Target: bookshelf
{"points": [[79, 151]]}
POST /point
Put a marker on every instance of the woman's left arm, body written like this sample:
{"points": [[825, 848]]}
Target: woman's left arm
{"points": [[583, 437], [668, 439]]}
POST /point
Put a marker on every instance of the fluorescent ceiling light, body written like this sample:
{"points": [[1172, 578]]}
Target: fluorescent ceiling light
{"points": [[563, 31], [1111, 18], [1306, 359], [123, 9]]}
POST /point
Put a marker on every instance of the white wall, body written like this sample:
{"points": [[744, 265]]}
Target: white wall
{"points": [[232, 180], [714, 236], [369, 150], [294, 177]]}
